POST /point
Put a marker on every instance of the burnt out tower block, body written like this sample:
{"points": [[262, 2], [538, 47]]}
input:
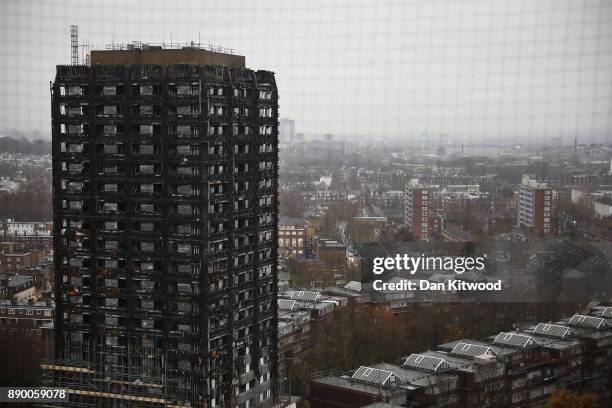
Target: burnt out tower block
{"points": [[165, 230]]}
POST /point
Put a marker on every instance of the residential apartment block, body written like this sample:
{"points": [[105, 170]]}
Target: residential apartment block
{"points": [[519, 368], [27, 315], [165, 228], [293, 236], [34, 234], [416, 209], [535, 205]]}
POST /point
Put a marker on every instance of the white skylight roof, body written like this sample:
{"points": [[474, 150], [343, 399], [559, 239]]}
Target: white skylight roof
{"points": [[553, 330], [515, 340], [373, 376], [588, 322], [469, 350], [426, 363], [304, 295], [286, 304]]}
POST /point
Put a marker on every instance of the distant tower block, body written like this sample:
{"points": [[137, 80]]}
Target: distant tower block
{"points": [[74, 45], [443, 139], [287, 131]]}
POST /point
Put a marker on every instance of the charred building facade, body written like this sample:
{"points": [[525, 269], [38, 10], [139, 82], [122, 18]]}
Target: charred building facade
{"points": [[165, 216]]}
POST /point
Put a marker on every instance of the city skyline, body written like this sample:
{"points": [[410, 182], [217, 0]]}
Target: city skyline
{"points": [[494, 71]]}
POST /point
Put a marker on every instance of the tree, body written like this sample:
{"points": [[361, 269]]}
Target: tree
{"points": [[561, 398], [360, 232], [312, 273], [582, 211], [292, 266], [452, 332], [292, 204], [22, 145], [338, 181], [338, 214], [353, 181], [26, 205]]}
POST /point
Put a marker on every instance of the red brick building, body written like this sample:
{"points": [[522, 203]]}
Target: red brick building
{"points": [[535, 206]]}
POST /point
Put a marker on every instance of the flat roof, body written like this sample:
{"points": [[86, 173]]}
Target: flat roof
{"points": [[291, 221], [457, 232], [163, 57], [414, 377], [17, 280], [346, 383], [604, 200], [555, 343]]}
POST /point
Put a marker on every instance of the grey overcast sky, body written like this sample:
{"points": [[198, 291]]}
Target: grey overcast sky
{"points": [[496, 70]]}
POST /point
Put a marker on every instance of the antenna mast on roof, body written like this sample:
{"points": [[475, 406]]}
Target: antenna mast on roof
{"points": [[74, 45]]}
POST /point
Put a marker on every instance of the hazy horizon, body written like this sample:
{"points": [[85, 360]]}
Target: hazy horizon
{"points": [[495, 70]]}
